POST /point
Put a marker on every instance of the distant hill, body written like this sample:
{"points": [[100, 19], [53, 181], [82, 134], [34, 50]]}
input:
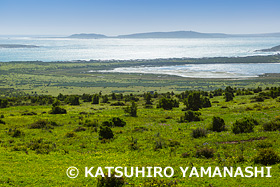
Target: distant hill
{"points": [[17, 46], [173, 34], [87, 36], [273, 49]]}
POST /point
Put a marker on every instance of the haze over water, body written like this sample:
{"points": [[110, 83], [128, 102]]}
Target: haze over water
{"points": [[63, 49]]}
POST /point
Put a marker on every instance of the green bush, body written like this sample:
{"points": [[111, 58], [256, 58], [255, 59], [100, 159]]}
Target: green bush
{"points": [[15, 133], [185, 155], [131, 110], [107, 124], [266, 157], [2, 122], [264, 144], [95, 99], [40, 146], [111, 181], [105, 133], [89, 123], [70, 135], [218, 124], [118, 103], [79, 129], [190, 116], [167, 104], [118, 122], [199, 132], [244, 125], [58, 110], [195, 101], [273, 125], [205, 152], [43, 124]]}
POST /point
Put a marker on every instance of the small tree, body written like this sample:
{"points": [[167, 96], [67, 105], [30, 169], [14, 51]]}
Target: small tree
{"points": [[190, 116], [195, 101], [218, 124], [105, 99], [244, 125], [73, 100], [114, 97], [58, 110], [118, 122], [148, 98], [105, 133], [3, 103], [229, 96], [95, 99], [131, 110], [167, 103]]}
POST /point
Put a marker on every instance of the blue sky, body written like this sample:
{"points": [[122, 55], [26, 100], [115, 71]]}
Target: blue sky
{"points": [[114, 17]]}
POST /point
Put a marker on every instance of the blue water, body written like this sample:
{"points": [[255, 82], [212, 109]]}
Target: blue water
{"points": [[205, 70], [63, 49]]}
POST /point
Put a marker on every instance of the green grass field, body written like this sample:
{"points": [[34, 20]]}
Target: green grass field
{"points": [[41, 156], [37, 147]]}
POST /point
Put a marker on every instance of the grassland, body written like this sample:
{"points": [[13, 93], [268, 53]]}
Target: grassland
{"points": [[74, 77], [40, 156], [24, 165]]}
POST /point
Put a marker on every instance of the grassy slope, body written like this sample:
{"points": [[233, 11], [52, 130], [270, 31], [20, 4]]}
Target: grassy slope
{"points": [[30, 169]]}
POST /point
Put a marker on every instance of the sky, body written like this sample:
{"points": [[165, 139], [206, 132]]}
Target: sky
{"points": [[116, 17]]}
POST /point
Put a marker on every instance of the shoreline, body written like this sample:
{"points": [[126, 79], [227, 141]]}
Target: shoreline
{"points": [[275, 58]]}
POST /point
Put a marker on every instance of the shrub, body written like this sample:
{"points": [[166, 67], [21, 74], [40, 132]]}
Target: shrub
{"points": [[107, 123], [195, 101], [185, 155], [3, 103], [133, 145], [79, 129], [205, 152], [131, 110], [29, 113], [266, 157], [273, 125], [73, 100], [40, 124], [43, 124], [264, 144], [111, 181], [244, 125], [2, 116], [2, 122], [39, 146], [57, 110], [218, 124], [89, 123], [105, 133], [167, 104], [190, 116], [229, 96], [118, 103], [70, 135], [95, 99], [159, 144], [139, 129], [118, 122], [199, 132], [15, 133], [174, 143]]}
